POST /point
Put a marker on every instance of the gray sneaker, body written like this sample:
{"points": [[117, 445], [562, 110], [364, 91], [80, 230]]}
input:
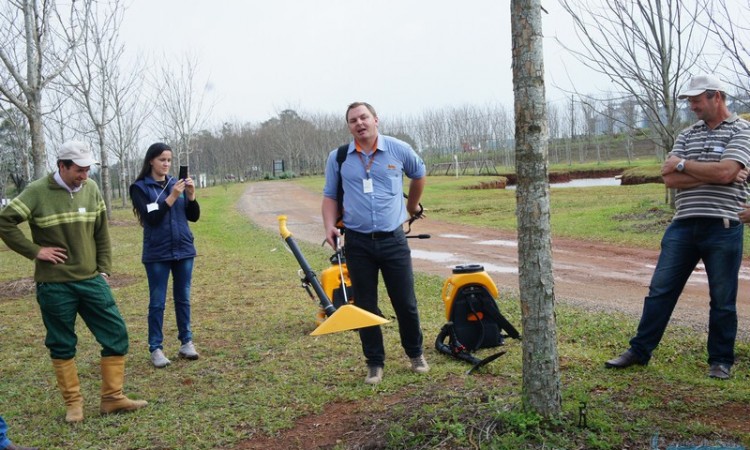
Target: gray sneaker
{"points": [[374, 375], [419, 364], [720, 371], [158, 359], [187, 351]]}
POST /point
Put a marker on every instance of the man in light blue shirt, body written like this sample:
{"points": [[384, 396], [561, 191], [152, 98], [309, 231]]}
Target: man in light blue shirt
{"points": [[373, 214]]}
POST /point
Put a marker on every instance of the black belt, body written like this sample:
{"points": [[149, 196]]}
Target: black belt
{"points": [[374, 234]]}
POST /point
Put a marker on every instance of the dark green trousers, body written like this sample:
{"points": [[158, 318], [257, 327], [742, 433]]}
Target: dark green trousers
{"points": [[60, 303]]}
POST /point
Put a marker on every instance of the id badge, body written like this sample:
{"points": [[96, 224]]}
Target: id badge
{"points": [[151, 207], [367, 185]]}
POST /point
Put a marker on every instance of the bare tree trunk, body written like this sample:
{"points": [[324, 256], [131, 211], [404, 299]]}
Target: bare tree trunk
{"points": [[629, 146], [106, 179], [38, 148], [582, 150], [94, 77], [33, 91], [46, 43], [541, 371]]}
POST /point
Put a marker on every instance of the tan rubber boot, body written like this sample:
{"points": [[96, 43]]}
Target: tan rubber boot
{"points": [[113, 377], [67, 381]]}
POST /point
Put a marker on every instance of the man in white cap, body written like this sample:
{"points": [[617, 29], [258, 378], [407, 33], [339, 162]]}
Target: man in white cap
{"points": [[708, 167], [71, 249]]}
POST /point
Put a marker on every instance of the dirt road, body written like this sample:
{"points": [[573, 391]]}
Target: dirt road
{"points": [[597, 276]]}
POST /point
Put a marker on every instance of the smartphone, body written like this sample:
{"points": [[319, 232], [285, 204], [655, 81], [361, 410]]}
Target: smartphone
{"points": [[183, 172]]}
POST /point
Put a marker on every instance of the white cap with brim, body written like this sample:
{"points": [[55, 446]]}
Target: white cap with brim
{"points": [[78, 152], [700, 84]]}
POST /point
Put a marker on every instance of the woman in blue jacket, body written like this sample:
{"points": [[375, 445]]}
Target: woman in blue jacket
{"points": [[163, 206]]}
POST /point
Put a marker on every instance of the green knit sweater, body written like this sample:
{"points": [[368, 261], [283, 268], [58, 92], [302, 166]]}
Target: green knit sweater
{"points": [[74, 221]]}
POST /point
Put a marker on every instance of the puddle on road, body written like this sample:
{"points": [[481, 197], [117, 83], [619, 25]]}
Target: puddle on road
{"points": [[499, 269], [700, 269], [699, 274], [498, 243], [453, 260], [441, 257]]}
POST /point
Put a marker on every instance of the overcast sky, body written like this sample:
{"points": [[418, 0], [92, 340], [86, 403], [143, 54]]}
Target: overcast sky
{"points": [[403, 56]]}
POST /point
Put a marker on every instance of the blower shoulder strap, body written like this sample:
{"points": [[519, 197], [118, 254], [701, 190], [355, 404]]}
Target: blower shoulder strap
{"points": [[491, 308], [341, 155]]}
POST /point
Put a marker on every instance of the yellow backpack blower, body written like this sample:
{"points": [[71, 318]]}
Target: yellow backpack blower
{"points": [[332, 317], [474, 319]]}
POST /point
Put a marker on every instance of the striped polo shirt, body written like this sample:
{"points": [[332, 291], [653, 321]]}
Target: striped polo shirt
{"points": [[729, 140]]}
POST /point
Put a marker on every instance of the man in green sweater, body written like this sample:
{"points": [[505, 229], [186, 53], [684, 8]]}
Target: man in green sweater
{"points": [[71, 250]]}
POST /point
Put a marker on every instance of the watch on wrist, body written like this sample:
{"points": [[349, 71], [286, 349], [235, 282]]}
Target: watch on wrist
{"points": [[680, 165]]}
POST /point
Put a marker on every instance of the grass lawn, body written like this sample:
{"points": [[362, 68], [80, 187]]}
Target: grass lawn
{"points": [[260, 371]]}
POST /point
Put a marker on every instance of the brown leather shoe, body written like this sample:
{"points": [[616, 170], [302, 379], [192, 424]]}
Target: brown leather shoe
{"points": [[627, 359], [720, 371]]}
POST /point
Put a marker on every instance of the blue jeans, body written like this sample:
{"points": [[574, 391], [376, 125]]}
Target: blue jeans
{"points": [[4, 441], [390, 256], [686, 242], [158, 277]]}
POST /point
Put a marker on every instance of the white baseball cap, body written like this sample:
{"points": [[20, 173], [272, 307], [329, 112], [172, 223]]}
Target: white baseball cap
{"points": [[700, 84], [78, 152]]}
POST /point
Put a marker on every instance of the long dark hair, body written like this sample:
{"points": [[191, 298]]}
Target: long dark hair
{"points": [[153, 152]]}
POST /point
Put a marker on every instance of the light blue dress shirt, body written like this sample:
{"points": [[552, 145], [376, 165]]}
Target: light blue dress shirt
{"points": [[383, 209]]}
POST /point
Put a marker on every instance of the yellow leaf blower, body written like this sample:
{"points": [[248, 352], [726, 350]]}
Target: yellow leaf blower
{"points": [[474, 319], [332, 318]]}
